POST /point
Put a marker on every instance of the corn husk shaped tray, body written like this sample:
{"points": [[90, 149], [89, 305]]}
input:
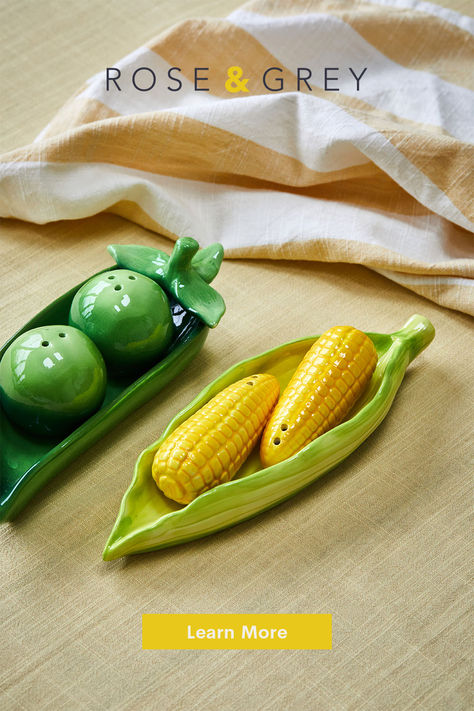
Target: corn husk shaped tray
{"points": [[149, 521], [28, 462]]}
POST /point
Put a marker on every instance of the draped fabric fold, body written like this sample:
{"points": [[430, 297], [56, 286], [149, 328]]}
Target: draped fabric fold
{"points": [[327, 130]]}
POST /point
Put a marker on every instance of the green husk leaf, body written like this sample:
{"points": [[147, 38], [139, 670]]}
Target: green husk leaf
{"points": [[149, 521]]}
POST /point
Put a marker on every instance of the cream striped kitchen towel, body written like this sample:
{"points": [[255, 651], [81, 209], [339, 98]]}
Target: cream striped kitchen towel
{"points": [[325, 130]]}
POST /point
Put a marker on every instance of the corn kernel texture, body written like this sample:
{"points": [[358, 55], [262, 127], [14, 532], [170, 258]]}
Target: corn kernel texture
{"points": [[330, 378], [210, 447]]}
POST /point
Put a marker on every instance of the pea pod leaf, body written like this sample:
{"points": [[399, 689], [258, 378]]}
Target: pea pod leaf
{"points": [[185, 274], [149, 521], [207, 261]]}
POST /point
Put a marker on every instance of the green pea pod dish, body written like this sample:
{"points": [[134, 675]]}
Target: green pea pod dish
{"points": [[36, 444], [149, 521]]}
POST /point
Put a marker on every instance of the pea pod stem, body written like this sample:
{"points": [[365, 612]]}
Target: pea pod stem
{"points": [[185, 275]]}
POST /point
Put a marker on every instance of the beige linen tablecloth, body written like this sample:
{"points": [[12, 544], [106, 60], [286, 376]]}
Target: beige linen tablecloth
{"points": [[381, 543]]}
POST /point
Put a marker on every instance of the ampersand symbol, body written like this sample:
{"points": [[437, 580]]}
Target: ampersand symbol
{"points": [[234, 83]]}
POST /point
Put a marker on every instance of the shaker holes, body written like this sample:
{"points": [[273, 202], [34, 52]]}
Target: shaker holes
{"points": [[45, 343], [276, 440]]}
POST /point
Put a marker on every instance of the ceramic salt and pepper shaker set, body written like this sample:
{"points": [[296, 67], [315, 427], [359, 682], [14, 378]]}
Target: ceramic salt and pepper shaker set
{"points": [[97, 353], [107, 346]]}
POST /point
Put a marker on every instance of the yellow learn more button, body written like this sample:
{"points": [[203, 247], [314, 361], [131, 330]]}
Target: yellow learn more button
{"points": [[226, 631]]}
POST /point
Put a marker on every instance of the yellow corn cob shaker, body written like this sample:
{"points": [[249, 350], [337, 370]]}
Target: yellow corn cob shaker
{"points": [[210, 447], [324, 387]]}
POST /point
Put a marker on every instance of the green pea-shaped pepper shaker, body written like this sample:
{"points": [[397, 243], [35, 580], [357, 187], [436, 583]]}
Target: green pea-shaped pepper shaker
{"points": [[51, 379], [128, 317]]}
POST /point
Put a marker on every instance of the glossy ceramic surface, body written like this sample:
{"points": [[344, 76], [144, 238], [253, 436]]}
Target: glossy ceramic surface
{"points": [[185, 274], [27, 462], [128, 317], [51, 379], [149, 521]]}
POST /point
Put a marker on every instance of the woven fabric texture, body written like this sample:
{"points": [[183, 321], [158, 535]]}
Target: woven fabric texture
{"points": [[347, 138]]}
